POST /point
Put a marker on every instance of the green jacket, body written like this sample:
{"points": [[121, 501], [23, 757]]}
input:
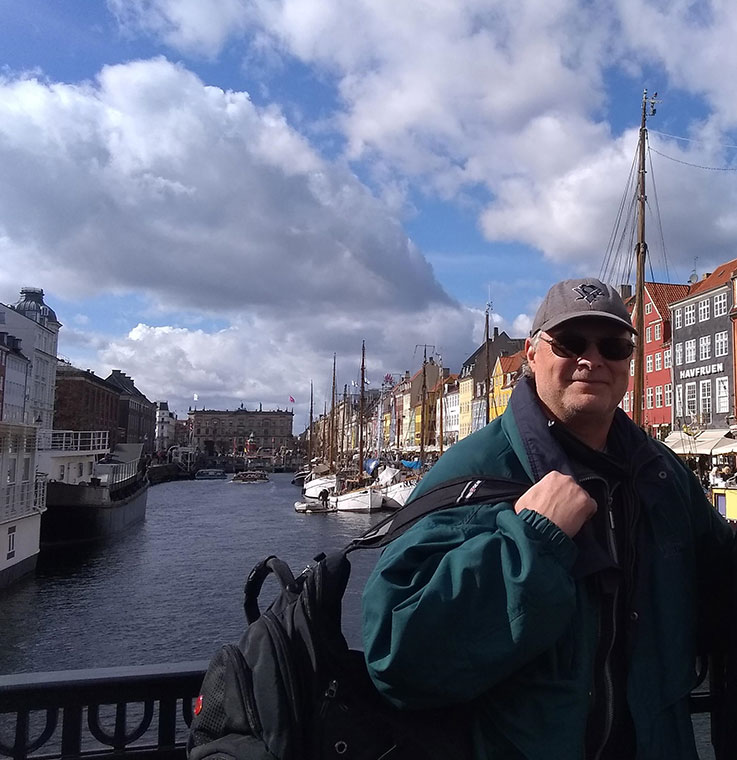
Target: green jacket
{"points": [[481, 603]]}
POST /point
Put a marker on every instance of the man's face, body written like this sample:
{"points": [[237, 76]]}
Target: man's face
{"points": [[583, 387]]}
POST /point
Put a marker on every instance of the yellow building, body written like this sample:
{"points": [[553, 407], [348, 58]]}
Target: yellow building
{"points": [[465, 398], [503, 379]]}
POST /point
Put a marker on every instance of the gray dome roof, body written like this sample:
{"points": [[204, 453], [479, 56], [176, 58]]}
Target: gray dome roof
{"points": [[31, 305]]}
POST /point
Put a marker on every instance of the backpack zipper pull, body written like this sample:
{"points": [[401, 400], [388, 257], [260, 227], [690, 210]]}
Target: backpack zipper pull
{"points": [[332, 690]]}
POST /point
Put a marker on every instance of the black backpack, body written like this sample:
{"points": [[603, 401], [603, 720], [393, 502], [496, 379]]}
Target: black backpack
{"points": [[293, 690]]}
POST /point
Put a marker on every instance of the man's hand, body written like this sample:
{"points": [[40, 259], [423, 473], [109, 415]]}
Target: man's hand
{"points": [[559, 498]]}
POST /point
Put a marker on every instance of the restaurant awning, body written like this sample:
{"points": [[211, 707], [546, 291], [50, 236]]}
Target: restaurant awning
{"points": [[704, 442]]}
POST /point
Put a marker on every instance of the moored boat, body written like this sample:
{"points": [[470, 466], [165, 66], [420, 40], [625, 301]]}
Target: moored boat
{"points": [[366, 499], [211, 474], [251, 476], [113, 499]]}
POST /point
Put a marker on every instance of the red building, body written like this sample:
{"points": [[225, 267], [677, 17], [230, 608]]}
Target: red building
{"points": [[657, 401]]}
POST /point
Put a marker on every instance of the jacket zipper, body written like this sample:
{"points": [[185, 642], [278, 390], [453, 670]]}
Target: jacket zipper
{"points": [[608, 683]]}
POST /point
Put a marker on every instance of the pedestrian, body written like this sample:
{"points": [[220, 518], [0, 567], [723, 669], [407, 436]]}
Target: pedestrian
{"points": [[570, 621]]}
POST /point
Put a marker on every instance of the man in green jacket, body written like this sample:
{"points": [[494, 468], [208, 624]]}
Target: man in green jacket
{"points": [[569, 621]]}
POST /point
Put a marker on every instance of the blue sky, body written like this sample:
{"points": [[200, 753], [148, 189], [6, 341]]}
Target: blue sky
{"points": [[217, 196]]}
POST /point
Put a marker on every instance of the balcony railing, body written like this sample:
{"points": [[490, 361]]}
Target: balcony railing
{"points": [[141, 713], [91, 441]]}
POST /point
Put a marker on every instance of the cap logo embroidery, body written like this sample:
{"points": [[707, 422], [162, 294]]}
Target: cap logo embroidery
{"points": [[588, 293]]}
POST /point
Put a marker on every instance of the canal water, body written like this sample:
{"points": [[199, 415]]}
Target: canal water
{"points": [[171, 588]]}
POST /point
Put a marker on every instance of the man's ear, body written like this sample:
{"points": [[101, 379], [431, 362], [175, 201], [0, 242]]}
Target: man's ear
{"points": [[530, 352]]}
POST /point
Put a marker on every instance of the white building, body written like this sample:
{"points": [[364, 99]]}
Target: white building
{"points": [[22, 496], [15, 371], [36, 326], [29, 335], [165, 427]]}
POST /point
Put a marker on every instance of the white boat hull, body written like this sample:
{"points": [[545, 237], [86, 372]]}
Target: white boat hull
{"points": [[396, 494], [360, 500], [313, 488]]}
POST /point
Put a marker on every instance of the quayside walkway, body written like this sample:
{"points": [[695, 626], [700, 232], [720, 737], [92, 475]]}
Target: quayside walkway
{"points": [[139, 713]]}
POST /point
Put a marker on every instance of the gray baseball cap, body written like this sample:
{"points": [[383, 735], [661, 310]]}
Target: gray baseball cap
{"points": [[575, 299]]}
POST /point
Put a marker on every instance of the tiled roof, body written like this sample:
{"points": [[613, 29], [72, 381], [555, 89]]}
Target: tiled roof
{"points": [[720, 276], [664, 293], [511, 363]]}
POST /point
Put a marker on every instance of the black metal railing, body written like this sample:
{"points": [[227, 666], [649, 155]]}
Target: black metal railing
{"points": [[142, 712]]}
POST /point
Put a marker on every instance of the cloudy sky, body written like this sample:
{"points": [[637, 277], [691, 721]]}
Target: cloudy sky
{"points": [[217, 196]]}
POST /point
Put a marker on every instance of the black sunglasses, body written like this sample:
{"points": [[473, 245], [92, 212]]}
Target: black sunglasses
{"points": [[573, 345]]}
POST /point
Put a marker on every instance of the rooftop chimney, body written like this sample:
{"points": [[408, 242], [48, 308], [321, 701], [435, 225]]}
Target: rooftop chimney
{"points": [[625, 290]]}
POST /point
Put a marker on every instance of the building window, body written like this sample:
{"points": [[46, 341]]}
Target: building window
{"points": [[648, 334], [11, 542], [626, 402], [691, 400], [648, 308], [657, 329], [649, 398], [649, 363], [679, 354], [689, 314], [704, 310], [720, 305], [668, 394], [62, 470], [658, 396], [678, 318], [722, 391], [720, 344], [658, 361], [690, 351], [679, 401], [704, 347], [666, 359], [705, 394]]}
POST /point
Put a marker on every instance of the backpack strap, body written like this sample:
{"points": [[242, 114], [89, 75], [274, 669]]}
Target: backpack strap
{"points": [[256, 579], [480, 489]]}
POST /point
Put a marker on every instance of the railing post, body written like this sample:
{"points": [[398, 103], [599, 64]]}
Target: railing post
{"points": [[71, 732]]}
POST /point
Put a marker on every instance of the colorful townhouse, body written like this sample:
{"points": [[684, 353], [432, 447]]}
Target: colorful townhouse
{"points": [[657, 401]]}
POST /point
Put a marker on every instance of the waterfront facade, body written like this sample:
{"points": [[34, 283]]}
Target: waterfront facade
{"points": [[657, 399], [241, 431], [22, 499], [31, 337], [166, 424], [35, 325], [503, 379], [703, 350], [85, 401], [474, 376], [136, 414]]}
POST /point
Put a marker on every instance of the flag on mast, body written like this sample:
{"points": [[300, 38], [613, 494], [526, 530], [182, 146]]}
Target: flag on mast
{"points": [[291, 399]]}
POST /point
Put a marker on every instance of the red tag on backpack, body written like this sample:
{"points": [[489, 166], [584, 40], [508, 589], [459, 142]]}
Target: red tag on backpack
{"points": [[198, 705]]}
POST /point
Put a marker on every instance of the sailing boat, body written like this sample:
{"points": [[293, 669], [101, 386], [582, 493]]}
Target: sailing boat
{"points": [[357, 497]]}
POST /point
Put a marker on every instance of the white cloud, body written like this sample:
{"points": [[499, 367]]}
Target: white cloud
{"points": [[509, 96], [148, 181]]}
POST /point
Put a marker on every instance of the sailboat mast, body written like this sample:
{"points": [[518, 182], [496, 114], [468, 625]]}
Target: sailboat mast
{"points": [[309, 440], [440, 411], [641, 253], [360, 410], [333, 426], [422, 408], [488, 371]]}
